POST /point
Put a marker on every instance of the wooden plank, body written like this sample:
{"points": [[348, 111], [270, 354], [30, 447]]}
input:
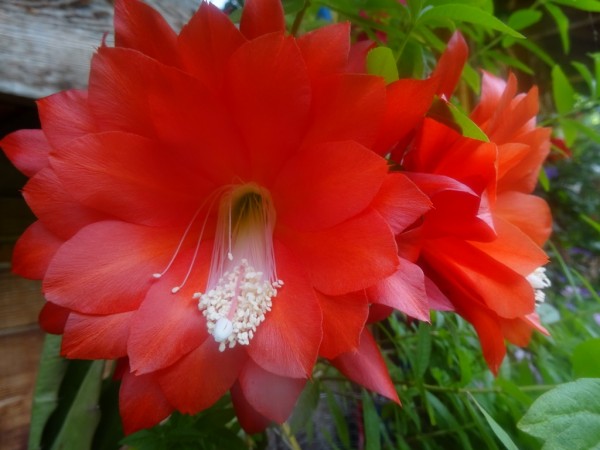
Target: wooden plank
{"points": [[18, 369], [46, 45]]}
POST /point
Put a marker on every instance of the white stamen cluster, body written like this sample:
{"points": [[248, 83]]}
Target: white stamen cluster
{"points": [[243, 289], [539, 281]]}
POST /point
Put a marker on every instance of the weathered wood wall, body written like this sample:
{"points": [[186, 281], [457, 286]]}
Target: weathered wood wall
{"points": [[45, 46]]}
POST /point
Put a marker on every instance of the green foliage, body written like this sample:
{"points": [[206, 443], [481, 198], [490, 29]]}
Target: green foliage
{"points": [[214, 429], [568, 416], [450, 398]]}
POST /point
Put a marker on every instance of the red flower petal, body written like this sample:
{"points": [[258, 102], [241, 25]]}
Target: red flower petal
{"points": [[207, 42], [407, 101], [366, 367], [487, 326], [344, 318], [55, 207], [107, 267], [34, 250], [141, 402], [326, 50], [287, 342], [127, 93], [403, 291], [261, 17], [437, 299], [336, 268], [347, 107], [529, 213], [167, 326], [65, 116], [327, 173], [53, 318], [201, 377], [27, 149], [522, 174], [503, 290], [457, 210], [450, 64], [400, 202], [268, 89], [250, 419], [129, 177], [96, 337], [513, 248], [138, 26], [271, 395]]}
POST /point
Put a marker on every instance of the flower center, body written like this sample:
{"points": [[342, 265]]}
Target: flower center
{"points": [[243, 278]]}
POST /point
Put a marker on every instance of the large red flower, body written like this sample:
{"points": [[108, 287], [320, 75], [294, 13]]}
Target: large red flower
{"points": [[481, 242], [210, 211]]}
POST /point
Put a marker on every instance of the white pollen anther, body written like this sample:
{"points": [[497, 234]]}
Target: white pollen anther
{"points": [[223, 329], [156, 275], [175, 290], [230, 256], [539, 281], [237, 305]]}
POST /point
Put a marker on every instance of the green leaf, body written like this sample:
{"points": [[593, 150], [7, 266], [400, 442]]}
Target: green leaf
{"points": [[567, 417], [584, 5], [341, 424], [381, 61], [591, 222], [577, 126], [523, 18], [586, 359], [496, 428], [586, 75], [305, 407], [450, 115], [562, 23], [423, 351], [79, 425], [45, 396], [371, 420], [292, 6], [544, 181], [563, 93], [466, 13], [596, 57]]}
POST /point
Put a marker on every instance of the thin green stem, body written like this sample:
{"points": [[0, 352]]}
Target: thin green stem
{"points": [[299, 18]]}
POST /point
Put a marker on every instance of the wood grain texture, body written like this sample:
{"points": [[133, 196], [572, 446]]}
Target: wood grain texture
{"points": [[46, 45]]}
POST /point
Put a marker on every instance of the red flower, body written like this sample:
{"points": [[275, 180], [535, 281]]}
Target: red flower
{"points": [[482, 239], [210, 211]]}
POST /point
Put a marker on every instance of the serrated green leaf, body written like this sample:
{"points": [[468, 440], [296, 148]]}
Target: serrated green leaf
{"points": [[568, 416], [371, 421], [77, 429], [563, 93], [586, 359], [562, 23], [496, 428], [466, 13], [449, 115], [45, 396], [584, 5], [381, 61]]}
